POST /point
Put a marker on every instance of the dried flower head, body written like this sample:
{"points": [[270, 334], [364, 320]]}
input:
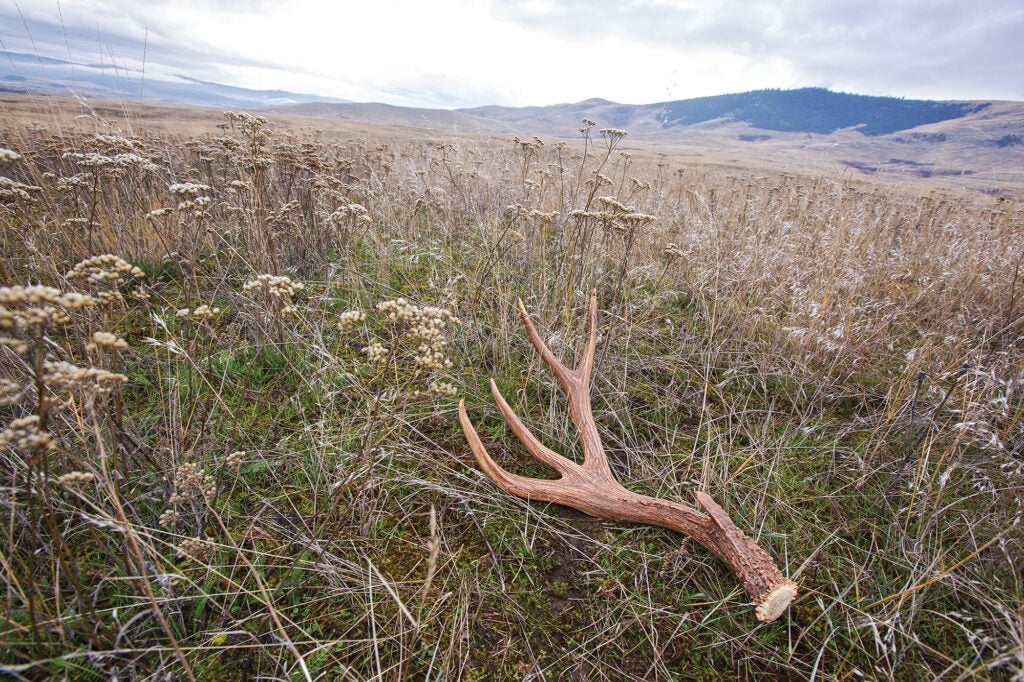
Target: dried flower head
{"points": [[11, 392], [107, 165], [351, 214], [30, 310], [191, 195], [615, 204], [192, 482], [195, 549], [106, 339], [672, 250], [443, 388], [424, 325], [276, 285], [170, 518], [375, 352], [638, 185], [13, 192], [25, 434], [76, 478], [188, 189], [198, 314], [254, 127], [107, 268], [350, 319], [59, 375]]}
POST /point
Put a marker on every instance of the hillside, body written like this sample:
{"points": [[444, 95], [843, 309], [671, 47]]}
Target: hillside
{"points": [[974, 145], [815, 110], [806, 110], [967, 144], [389, 115]]}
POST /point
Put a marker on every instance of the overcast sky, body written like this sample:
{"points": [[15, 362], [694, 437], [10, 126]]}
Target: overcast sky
{"points": [[457, 53]]}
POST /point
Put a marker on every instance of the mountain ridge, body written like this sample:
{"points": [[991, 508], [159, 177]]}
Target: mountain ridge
{"points": [[35, 74], [975, 144], [809, 110], [980, 143]]}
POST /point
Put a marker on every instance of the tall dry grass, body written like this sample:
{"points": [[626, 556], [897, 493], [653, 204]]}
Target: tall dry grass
{"points": [[230, 449]]}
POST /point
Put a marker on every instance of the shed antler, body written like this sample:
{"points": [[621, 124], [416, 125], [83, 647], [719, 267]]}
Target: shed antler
{"points": [[592, 488]]}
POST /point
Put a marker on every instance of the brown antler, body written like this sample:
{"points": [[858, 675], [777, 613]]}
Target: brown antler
{"points": [[592, 488]]}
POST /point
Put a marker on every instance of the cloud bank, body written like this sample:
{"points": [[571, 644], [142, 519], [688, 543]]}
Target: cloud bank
{"points": [[452, 53]]}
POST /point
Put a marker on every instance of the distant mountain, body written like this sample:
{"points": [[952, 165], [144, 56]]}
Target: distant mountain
{"points": [[815, 110], [969, 144], [27, 73], [976, 144], [806, 110]]}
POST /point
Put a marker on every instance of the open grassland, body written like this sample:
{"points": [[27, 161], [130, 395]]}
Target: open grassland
{"points": [[231, 360]]}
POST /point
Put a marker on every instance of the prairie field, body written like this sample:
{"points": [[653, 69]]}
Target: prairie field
{"points": [[232, 351]]}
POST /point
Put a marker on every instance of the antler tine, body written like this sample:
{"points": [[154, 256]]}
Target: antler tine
{"points": [[576, 383], [554, 364], [566, 376], [583, 369], [520, 486], [526, 437]]}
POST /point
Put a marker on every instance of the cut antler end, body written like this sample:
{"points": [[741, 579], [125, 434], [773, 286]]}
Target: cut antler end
{"points": [[775, 603]]}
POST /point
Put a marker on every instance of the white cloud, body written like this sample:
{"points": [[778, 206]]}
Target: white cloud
{"points": [[465, 53]]}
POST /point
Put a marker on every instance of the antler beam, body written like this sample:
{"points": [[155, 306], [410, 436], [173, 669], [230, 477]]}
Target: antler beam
{"points": [[592, 488]]}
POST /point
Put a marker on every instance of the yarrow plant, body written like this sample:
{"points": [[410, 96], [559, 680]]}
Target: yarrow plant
{"points": [[279, 291], [106, 275], [111, 165], [106, 339], [350, 319], [417, 337], [424, 326], [64, 377], [191, 195], [195, 549], [200, 313], [254, 133], [278, 286], [616, 216], [375, 352], [105, 268], [28, 312], [26, 434], [235, 459], [351, 215], [191, 483], [13, 193]]}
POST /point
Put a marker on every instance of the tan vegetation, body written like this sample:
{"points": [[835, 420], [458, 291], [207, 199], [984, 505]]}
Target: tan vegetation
{"points": [[232, 352]]}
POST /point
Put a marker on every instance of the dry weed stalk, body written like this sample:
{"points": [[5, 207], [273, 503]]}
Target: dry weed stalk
{"points": [[843, 356]]}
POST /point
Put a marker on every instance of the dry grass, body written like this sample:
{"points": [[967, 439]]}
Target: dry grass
{"points": [[238, 477]]}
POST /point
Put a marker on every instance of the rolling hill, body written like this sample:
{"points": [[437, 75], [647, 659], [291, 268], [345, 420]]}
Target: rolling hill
{"points": [[974, 144]]}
